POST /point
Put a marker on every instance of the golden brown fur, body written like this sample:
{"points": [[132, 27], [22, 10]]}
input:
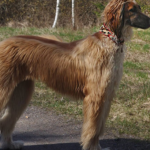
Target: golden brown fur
{"points": [[52, 37], [88, 69]]}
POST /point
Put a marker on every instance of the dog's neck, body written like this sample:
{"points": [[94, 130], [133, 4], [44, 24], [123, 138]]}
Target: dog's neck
{"points": [[126, 32], [107, 32]]}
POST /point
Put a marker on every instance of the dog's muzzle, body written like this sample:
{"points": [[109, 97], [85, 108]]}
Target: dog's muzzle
{"points": [[140, 21]]}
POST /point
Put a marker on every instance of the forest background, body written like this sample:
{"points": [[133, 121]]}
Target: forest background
{"points": [[41, 13]]}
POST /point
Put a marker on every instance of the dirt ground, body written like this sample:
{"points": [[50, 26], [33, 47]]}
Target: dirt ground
{"points": [[42, 129]]}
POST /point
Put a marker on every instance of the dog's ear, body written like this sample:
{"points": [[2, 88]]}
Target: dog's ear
{"points": [[122, 12], [121, 20]]}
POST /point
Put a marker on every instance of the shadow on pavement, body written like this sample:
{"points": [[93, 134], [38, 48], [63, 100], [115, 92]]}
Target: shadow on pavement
{"points": [[117, 144], [125, 144], [64, 146]]}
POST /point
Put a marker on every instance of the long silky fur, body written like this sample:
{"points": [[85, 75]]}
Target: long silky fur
{"points": [[88, 69]]}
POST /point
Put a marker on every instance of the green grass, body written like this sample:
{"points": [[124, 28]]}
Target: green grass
{"points": [[130, 111], [143, 35], [66, 34]]}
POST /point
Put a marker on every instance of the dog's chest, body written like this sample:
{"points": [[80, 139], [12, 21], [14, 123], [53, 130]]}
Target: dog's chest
{"points": [[117, 69]]}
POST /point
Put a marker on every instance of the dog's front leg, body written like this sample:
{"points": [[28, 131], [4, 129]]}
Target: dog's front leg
{"points": [[96, 108]]}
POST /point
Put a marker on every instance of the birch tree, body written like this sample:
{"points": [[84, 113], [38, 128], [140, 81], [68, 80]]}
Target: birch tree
{"points": [[57, 13], [73, 22]]}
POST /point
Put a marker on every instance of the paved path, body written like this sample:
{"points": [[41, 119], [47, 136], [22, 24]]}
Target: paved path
{"points": [[44, 130]]}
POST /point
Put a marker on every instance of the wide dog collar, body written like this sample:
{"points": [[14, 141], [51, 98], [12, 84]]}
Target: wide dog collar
{"points": [[107, 32]]}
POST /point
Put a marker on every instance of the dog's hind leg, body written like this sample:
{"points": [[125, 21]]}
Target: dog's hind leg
{"points": [[14, 108]]}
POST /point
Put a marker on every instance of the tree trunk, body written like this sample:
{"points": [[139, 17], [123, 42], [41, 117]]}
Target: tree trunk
{"points": [[73, 22], [57, 13]]}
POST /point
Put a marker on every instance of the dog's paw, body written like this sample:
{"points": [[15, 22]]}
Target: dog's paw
{"points": [[13, 145]]}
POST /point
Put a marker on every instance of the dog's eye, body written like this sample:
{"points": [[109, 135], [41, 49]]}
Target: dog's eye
{"points": [[132, 10]]}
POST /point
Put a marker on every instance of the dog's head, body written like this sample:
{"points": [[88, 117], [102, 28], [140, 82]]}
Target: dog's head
{"points": [[133, 16], [121, 13]]}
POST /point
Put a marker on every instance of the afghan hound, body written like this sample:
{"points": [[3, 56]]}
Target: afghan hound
{"points": [[88, 69]]}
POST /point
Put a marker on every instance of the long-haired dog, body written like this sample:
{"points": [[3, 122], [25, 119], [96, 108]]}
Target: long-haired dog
{"points": [[88, 69]]}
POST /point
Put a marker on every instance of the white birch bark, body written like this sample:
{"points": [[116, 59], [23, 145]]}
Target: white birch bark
{"points": [[57, 13], [73, 22]]}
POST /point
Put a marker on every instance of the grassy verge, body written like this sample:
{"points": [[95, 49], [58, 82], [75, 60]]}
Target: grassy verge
{"points": [[130, 111]]}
